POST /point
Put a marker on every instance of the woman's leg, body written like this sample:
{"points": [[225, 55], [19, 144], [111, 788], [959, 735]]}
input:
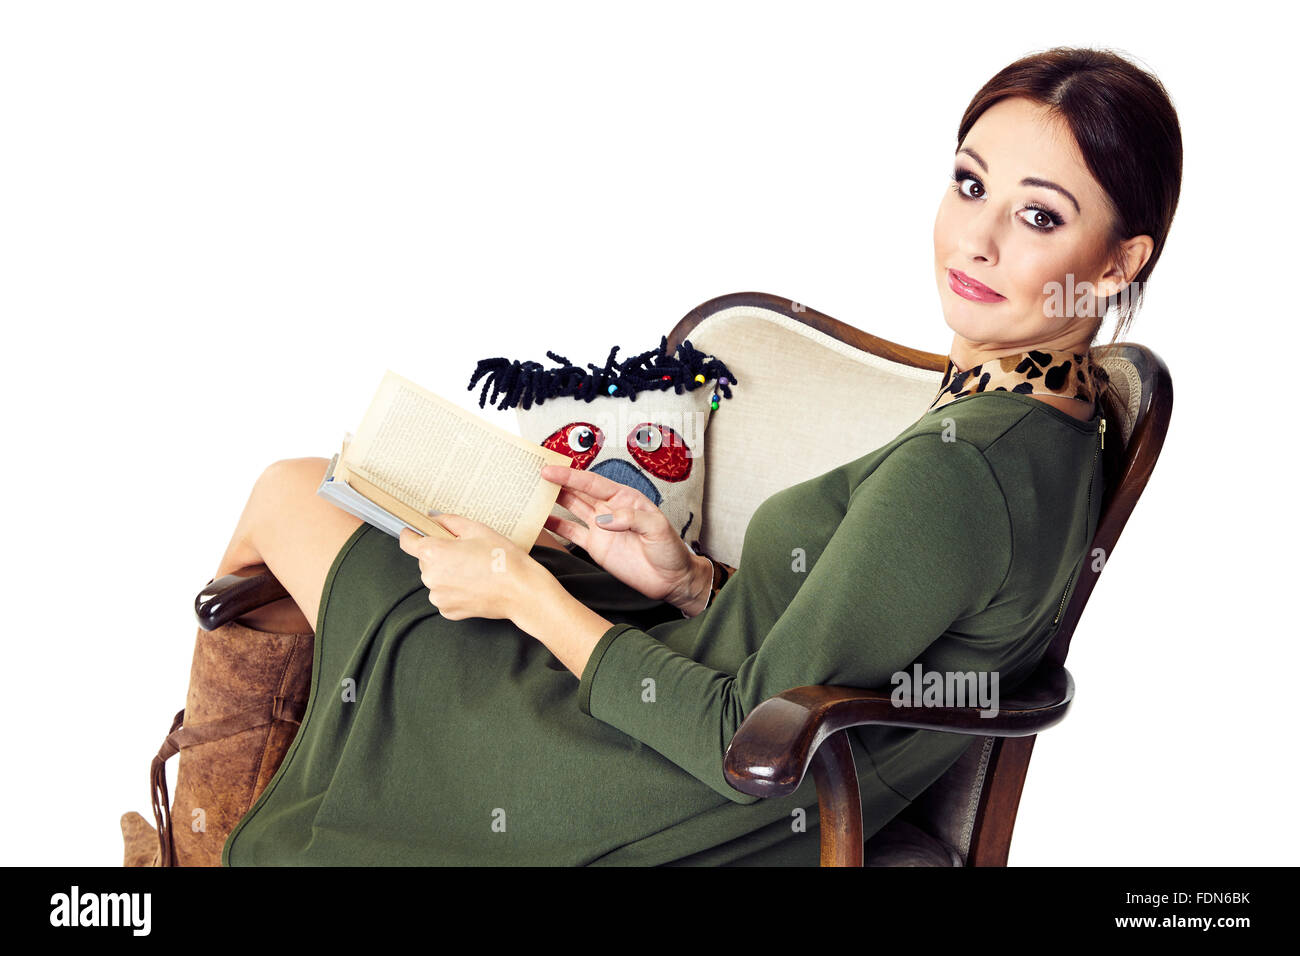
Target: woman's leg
{"points": [[294, 533]]}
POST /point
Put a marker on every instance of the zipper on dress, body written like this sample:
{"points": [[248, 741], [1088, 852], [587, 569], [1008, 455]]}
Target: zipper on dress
{"points": [[1101, 438], [1063, 596]]}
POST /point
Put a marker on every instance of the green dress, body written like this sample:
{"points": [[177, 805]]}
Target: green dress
{"points": [[436, 742]]}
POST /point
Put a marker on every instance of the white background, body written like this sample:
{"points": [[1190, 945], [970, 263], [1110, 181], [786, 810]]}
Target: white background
{"points": [[222, 222]]}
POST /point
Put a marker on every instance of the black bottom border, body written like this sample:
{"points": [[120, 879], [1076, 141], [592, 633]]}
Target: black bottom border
{"points": [[347, 905]]}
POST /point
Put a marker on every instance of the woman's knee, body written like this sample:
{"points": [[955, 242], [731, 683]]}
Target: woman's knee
{"points": [[295, 531], [278, 490], [293, 466], [289, 476]]}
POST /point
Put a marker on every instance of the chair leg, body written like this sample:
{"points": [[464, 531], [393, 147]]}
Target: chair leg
{"points": [[839, 804], [996, 816]]}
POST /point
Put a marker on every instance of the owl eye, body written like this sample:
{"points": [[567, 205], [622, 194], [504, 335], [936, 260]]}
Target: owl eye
{"points": [[660, 451], [648, 438], [581, 439]]}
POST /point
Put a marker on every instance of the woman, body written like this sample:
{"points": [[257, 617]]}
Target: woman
{"points": [[573, 707]]}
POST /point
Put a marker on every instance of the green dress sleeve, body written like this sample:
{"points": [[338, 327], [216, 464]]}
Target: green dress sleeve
{"points": [[925, 540]]}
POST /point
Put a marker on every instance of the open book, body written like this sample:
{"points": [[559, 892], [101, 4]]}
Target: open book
{"points": [[417, 453]]}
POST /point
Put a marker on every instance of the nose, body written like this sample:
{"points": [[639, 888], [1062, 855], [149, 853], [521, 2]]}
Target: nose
{"points": [[976, 240]]}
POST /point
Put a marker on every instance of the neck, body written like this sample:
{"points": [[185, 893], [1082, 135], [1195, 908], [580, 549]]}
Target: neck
{"points": [[966, 354]]}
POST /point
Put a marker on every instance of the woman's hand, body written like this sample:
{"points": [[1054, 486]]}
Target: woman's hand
{"points": [[637, 545], [482, 573]]}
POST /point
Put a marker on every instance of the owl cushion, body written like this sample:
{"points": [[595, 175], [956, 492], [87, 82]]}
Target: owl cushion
{"points": [[640, 422]]}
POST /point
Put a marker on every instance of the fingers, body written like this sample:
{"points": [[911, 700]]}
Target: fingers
{"points": [[589, 504], [627, 519], [456, 524], [409, 541], [643, 519], [569, 529], [587, 482], [622, 519], [589, 510], [419, 545], [580, 505]]}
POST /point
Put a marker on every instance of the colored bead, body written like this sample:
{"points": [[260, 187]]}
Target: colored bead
{"points": [[715, 399], [699, 378], [611, 389], [667, 378], [714, 406], [724, 380]]}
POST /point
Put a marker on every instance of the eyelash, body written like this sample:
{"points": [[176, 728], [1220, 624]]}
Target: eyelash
{"points": [[962, 174]]}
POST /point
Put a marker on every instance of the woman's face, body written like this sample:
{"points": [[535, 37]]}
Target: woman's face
{"points": [[1018, 237]]}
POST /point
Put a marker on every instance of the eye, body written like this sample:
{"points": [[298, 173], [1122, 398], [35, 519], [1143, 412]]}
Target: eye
{"points": [[962, 176], [648, 437], [661, 451], [581, 438], [581, 441], [1043, 218]]}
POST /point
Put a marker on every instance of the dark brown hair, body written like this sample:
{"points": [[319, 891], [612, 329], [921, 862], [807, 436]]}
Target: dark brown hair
{"points": [[1127, 130]]}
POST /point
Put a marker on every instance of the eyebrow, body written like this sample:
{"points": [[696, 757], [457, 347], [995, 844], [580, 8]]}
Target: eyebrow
{"points": [[1028, 180]]}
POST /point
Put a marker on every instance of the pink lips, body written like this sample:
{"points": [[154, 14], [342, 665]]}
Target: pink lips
{"points": [[968, 288]]}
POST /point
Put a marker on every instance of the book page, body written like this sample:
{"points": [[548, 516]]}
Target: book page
{"points": [[360, 498], [420, 452]]}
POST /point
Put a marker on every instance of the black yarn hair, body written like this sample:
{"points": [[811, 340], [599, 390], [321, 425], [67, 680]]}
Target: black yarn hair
{"points": [[523, 383]]}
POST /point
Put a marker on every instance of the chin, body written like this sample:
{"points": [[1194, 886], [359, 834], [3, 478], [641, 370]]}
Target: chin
{"points": [[970, 323]]}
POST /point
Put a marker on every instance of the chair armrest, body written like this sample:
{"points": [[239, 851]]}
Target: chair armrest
{"points": [[771, 751], [233, 595]]}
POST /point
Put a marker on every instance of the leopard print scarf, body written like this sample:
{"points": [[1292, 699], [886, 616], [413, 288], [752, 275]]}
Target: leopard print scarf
{"points": [[1061, 372]]}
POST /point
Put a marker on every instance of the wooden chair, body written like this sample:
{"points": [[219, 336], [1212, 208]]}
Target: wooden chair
{"points": [[863, 390]]}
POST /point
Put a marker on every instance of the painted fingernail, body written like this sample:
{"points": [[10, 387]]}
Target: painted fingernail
{"points": [[604, 519], [434, 513]]}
